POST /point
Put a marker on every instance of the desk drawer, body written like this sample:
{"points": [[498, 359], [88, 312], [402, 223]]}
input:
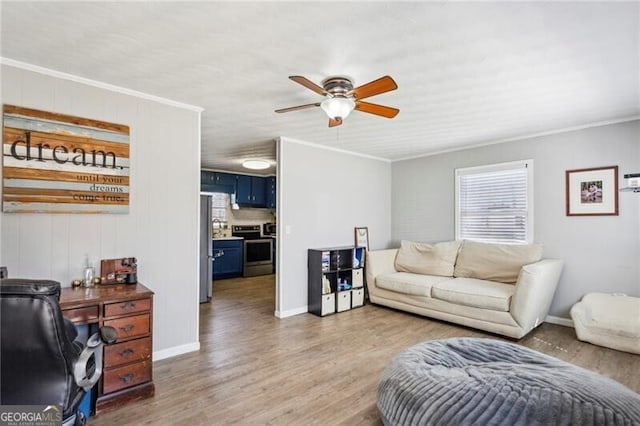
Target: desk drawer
{"points": [[124, 377], [123, 353], [82, 315], [127, 307], [133, 326]]}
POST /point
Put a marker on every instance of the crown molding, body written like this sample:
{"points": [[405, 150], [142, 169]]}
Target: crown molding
{"points": [[105, 86], [330, 148], [523, 137]]}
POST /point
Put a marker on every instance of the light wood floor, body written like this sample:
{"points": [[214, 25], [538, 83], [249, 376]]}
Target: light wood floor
{"points": [[255, 369]]}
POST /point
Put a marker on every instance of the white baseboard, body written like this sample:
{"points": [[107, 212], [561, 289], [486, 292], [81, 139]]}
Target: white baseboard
{"points": [[559, 320], [175, 351], [291, 312]]}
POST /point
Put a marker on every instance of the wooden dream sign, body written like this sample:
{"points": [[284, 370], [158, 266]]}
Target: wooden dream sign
{"points": [[55, 163]]}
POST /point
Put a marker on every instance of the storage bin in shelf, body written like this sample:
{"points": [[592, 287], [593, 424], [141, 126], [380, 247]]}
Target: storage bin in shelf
{"points": [[343, 301], [328, 304], [357, 297], [357, 278]]}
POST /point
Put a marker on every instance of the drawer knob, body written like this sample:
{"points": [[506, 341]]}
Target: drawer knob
{"points": [[127, 328], [127, 378], [127, 353], [128, 306]]}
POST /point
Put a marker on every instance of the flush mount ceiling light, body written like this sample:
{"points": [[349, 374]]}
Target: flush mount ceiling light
{"points": [[256, 164]]}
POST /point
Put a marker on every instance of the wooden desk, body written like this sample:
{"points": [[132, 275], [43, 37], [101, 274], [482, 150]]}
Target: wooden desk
{"points": [[127, 373]]}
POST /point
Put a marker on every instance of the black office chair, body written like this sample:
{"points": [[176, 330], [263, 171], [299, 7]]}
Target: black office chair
{"points": [[40, 363]]}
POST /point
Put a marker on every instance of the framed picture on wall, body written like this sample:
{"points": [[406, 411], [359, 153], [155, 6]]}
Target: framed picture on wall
{"points": [[362, 237], [592, 192]]}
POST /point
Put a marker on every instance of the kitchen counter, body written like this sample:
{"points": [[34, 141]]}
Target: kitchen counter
{"points": [[227, 238]]}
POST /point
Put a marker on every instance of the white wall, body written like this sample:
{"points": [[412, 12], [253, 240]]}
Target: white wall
{"points": [[601, 253], [323, 194], [161, 229]]}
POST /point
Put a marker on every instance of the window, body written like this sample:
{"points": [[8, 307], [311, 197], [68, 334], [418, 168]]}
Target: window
{"points": [[495, 203], [219, 202]]}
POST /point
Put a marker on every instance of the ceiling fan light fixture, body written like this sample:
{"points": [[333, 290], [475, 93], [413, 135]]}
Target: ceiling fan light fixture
{"points": [[340, 97], [256, 164], [338, 107]]}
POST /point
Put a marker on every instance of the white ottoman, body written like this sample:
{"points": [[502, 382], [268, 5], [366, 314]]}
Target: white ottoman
{"points": [[610, 320]]}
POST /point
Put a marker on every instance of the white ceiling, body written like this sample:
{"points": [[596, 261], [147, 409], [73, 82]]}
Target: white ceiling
{"points": [[468, 73]]}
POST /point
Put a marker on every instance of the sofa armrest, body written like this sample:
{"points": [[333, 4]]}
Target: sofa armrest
{"points": [[534, 292], [379, 262]]}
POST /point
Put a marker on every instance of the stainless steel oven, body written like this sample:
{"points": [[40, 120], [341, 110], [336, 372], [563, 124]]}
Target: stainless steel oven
{"points": [[269, 230], [258, 251]]}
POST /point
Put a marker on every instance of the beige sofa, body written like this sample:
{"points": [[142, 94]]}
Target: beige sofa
{"points": [[504, 289]]}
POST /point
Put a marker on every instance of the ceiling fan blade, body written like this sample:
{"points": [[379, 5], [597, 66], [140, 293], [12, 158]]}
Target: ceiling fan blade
{"points": [[375, 87], [295, 108], [333, 122], [381, 110], [308, 84]]}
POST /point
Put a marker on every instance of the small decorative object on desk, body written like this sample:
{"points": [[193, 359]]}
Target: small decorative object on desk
{"points": [[89, 273], [119, 271]]}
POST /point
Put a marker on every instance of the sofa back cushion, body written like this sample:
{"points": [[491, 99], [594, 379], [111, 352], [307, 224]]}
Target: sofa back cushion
{"points": [[495, 262], [427, 259]]}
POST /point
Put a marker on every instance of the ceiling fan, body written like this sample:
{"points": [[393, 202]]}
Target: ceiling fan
{"points": [[341, 98]]}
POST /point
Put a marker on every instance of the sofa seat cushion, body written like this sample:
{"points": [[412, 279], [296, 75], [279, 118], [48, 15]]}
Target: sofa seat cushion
{"points": [[474, 292], [408, 283]]}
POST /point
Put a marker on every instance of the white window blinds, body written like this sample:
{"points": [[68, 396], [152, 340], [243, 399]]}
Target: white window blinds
{"points": [[494, 203]]}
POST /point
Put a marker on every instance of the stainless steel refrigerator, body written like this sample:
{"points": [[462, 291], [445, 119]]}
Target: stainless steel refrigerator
{"points": [[206, 250]]}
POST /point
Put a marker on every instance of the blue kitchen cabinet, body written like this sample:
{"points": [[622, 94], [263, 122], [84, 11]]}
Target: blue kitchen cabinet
{"points": [[270, 192], [217, 182], [243, 193], [206, 177], [258, 187], [227, 179], [228, 258], [217, 178], [251, 191]]}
